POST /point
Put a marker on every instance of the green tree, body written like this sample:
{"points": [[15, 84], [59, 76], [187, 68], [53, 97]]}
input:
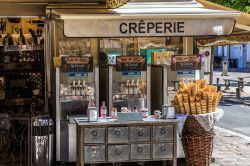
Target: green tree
{"points": [[241, 5]]}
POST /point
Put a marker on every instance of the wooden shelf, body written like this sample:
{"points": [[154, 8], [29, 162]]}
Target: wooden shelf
{"points": [[20, 66]]}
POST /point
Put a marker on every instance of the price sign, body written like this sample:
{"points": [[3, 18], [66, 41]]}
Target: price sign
{"points": [[131, 63], [77, 64], [185, 62]]}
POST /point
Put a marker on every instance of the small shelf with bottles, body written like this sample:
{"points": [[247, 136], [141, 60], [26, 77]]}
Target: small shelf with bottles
{"points": [[21, 48], [14, 67], [16, 61]]}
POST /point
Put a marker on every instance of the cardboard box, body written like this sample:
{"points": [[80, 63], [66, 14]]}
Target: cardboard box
{"points": [[166, 57], [156, 58]]}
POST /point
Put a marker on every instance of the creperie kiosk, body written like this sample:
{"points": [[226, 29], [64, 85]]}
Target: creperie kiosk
{"points": [[138, 28]]}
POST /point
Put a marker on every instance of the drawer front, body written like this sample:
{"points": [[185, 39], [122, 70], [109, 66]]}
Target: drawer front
{"points": [[94, 135], [118, 135], [94, 154], [118, 153], [162, 150], [140, 133], [140, 152], [163, 133]]}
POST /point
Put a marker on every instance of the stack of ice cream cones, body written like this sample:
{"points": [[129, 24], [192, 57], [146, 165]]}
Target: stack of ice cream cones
{"points": [[196, 98]]}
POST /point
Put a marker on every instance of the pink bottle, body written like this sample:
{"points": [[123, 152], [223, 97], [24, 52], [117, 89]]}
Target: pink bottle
{"points": [[103, 110]]}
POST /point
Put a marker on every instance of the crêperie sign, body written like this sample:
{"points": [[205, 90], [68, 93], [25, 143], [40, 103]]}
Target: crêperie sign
{"points": [[108, 27], [151, 27]]}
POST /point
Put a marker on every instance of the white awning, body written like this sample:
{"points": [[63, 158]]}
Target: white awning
{"points": [[187, 18]]}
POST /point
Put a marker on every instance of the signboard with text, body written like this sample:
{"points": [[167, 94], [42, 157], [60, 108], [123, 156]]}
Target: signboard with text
{"points": [[131, 63], [105, 27], [77, 64], [185, 62]]}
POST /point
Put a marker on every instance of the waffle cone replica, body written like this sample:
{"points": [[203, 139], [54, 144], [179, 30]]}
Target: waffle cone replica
{"points": [[196, 98]]}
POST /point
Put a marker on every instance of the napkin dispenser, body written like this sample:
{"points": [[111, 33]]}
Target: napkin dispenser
{"points": [[168, 112]]}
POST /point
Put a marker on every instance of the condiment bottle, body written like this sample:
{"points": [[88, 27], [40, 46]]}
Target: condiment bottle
{"points": [[103, 110]]}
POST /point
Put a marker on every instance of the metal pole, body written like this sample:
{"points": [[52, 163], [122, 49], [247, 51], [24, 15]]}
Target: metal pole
{"points": [[29, 121], [211, 67]]}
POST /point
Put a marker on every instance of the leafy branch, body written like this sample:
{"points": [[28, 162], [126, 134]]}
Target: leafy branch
{"points": [[241, 5]]}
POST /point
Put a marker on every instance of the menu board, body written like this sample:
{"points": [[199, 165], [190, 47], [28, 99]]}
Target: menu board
{"points": [[131, 63], [185, 62], [77, 64]]}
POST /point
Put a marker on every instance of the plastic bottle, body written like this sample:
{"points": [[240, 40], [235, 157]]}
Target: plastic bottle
{"points": [[103, 110]]}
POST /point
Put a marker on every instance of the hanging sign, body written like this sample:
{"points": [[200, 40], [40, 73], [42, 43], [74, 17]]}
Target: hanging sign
{"points": [[105, 27], [131, 63], [185, 62], [77, 64]]}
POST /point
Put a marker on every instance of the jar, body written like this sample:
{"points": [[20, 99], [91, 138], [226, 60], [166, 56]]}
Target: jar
{"points": [[114, 113], [157, 114], [92, 114], [144, 112]]}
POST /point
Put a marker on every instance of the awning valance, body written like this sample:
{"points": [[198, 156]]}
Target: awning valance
{"points": [[145, 19]]}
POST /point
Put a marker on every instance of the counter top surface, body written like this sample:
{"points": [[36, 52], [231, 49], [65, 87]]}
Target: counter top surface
{"points": [[109, 121]]}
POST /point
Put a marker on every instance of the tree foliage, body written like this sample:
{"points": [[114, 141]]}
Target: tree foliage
{"points": [[241, 5]]}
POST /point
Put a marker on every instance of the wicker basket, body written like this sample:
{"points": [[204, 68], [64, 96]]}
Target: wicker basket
{"points": [[192, 126], [198, 149]]}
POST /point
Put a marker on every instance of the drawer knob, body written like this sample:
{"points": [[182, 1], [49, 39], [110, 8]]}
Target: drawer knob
{"points": [[140, 133], [94, 133], [117, 133], [163, 148], [118, 151], [163, 131], [140, 150]]}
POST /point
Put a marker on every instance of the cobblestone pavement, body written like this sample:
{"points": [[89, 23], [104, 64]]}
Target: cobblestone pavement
{"points": [[230, 149]]}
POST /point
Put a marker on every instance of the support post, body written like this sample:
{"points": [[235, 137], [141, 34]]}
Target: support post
{"points": [[211, 67]]}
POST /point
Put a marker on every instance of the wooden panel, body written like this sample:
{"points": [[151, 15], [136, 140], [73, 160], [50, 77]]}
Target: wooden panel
{"points": [[140, 151], [94, 135], [140, 133], [162, 150], [117, 134], [94, 154], [118, 153], [163, 133], [11, 9]]}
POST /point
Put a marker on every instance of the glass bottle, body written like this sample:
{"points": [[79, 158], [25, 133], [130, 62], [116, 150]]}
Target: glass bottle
{"points": [[91, 103], [103, 110], [21, 40]]}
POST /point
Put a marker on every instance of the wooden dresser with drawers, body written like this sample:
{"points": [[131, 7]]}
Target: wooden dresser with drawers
{"points": [[116, 142]]}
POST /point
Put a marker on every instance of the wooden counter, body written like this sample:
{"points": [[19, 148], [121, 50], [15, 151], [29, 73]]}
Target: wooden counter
{"points": [[138, 141]]}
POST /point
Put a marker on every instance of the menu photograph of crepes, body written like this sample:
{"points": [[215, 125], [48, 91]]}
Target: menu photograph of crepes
{"points": [[196, 98]]}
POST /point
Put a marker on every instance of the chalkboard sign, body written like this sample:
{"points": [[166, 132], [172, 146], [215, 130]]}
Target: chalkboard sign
{"points": [[131, 63], [185, 62], [77, 64]]}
